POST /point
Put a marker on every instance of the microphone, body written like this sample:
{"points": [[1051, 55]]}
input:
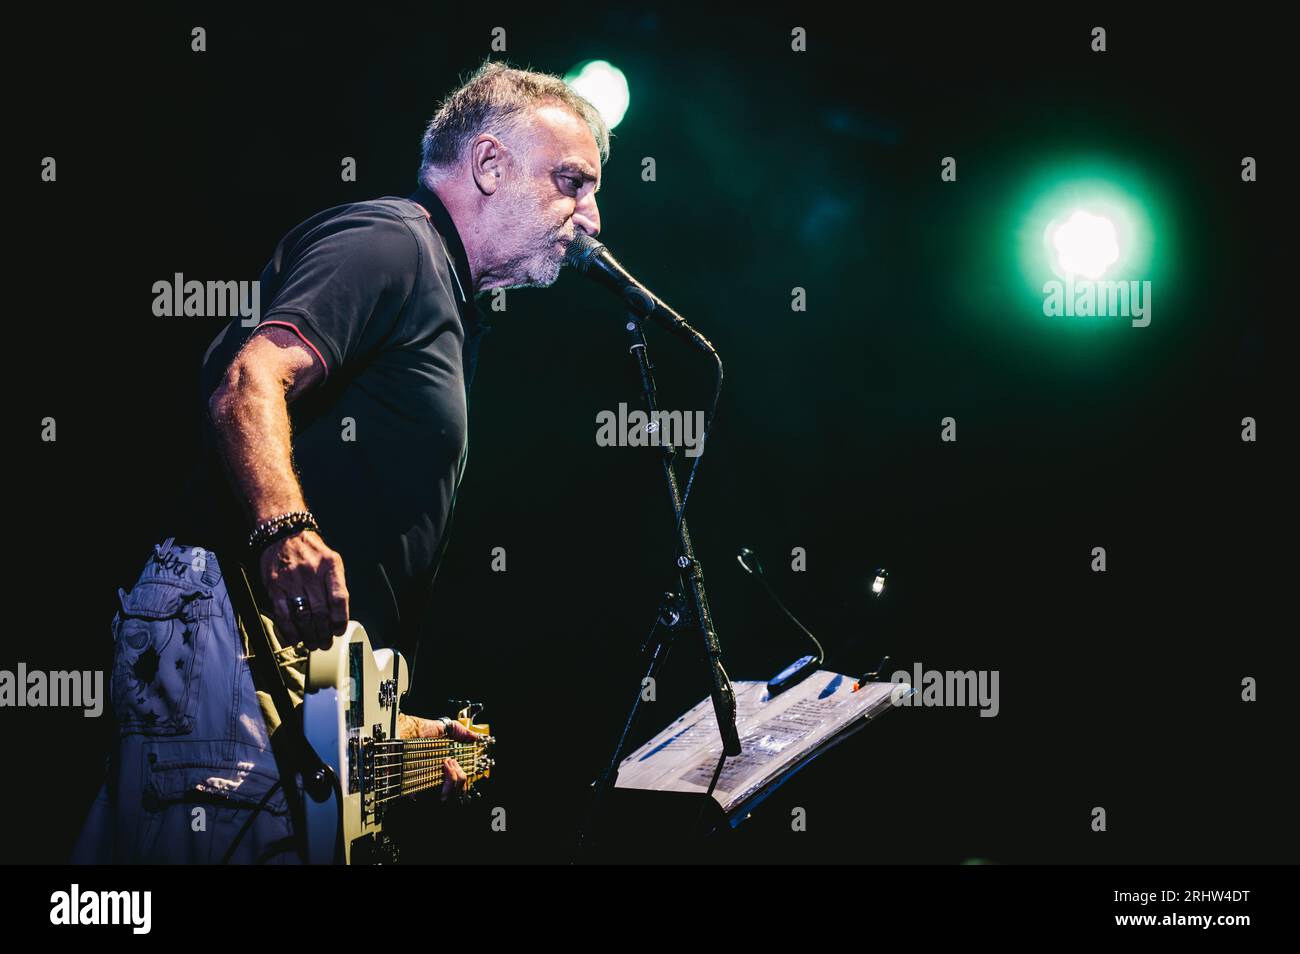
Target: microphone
{"points": [[593, 259]]}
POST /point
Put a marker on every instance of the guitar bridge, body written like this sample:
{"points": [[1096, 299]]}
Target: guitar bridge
{"points": [[372, 809], [354, 764]]}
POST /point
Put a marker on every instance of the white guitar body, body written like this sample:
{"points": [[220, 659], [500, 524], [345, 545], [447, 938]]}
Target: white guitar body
{"points": [[349, 714]]}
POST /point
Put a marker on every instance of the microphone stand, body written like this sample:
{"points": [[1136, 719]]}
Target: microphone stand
{"points": [[688, 608]]}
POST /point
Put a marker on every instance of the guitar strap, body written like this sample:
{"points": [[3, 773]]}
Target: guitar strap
{"points": [[292, 752]]}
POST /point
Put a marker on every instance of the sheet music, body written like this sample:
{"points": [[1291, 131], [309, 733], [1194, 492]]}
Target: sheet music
{"points": [[775, 734]]}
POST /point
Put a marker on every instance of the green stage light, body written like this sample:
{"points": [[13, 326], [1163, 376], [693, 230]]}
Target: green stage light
{"points": [[603, 85], [1085, 244], [1086, 220], [1065, 250]]}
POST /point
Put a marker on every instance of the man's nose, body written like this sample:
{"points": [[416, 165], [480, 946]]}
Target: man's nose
{"points": [[587, 216]]}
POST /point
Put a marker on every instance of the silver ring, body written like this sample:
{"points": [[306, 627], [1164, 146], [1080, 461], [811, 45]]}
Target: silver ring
{"points": [[300, 604]]}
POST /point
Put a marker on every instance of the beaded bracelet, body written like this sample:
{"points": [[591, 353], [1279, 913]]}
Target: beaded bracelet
{"points": [[279, 527]]}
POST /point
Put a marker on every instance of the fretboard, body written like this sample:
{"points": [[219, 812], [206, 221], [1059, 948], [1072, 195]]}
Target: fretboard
{"points": [[401, 767]]}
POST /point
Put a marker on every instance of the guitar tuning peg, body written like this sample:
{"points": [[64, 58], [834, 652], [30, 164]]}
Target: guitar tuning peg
{"points": [[465, 710]]}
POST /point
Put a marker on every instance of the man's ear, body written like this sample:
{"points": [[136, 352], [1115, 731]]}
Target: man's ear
{"points": [[487, 163]]}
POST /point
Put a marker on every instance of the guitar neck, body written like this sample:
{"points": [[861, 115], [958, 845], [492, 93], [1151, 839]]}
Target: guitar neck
{"points": [[401, 767]]}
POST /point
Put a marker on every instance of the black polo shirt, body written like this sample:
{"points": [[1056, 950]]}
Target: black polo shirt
{"points": [[380, 292]]}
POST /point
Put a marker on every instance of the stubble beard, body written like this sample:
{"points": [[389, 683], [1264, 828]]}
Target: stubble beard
{"points": [[542, 269]]}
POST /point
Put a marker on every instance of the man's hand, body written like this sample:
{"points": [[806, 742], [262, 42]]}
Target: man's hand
{"points": [[302, 565], [414, 727]]}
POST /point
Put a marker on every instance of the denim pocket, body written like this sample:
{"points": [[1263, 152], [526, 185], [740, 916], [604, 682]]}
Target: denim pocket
{"points": [[160, 635], [197, 794]]}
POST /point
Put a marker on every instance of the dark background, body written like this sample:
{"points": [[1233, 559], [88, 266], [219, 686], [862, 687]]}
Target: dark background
{"points": [[775, 169]]}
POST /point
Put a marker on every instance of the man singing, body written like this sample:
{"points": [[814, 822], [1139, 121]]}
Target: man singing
{"points": [[337, 436]]}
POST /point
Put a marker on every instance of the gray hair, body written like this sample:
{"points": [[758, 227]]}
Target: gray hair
{"points": [[496, 99]]}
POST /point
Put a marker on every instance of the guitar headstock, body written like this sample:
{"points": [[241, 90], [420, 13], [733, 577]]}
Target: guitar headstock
{"points": [[481, 766], [467, 711]]}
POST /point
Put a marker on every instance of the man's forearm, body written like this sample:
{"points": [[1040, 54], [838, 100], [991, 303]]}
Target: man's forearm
{"points": [[250, 414], [303, 578]]}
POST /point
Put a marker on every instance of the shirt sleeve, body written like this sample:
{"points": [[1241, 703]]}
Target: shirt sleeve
{"points": [[346, 285]]}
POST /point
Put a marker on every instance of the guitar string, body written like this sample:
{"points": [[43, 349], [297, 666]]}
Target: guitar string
{"points": [[391, 793], [420, 763], [415, 767], [409, 776], [396, 773], [411, 785], [417, 770], [386, 760]]}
